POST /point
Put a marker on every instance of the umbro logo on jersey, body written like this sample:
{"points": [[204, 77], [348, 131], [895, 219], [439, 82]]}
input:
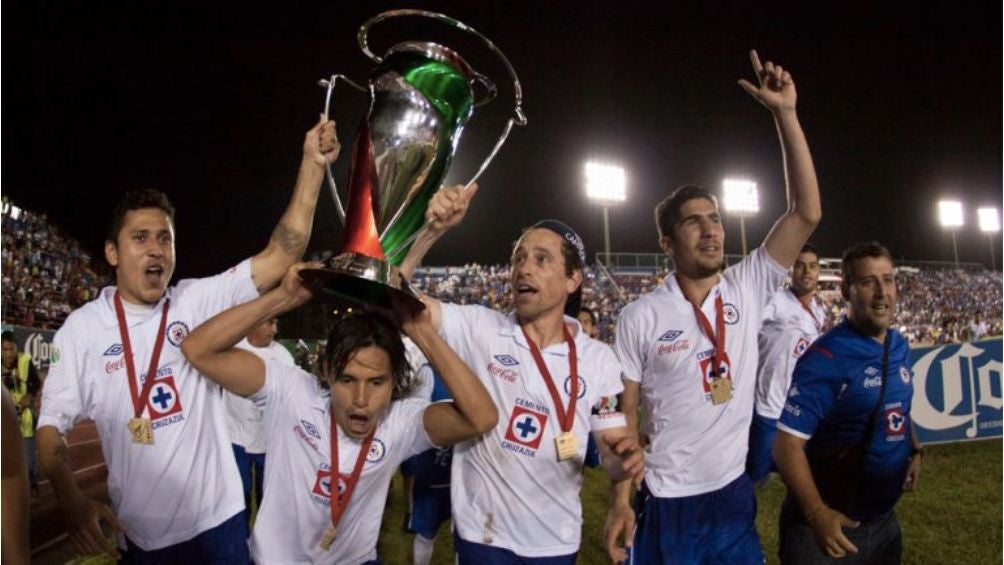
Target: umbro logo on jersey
{"points": [[507, 360], [311, 429], [114, 350], [872, 382], [671, 335], [871, 371]]}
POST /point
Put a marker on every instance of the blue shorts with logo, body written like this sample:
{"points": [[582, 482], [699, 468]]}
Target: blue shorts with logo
{"points": [[470, 553], [714, 527], [430, 507], [760, 460]]}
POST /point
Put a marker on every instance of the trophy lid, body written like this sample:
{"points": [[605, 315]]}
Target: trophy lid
{"points": [[435, 52]]}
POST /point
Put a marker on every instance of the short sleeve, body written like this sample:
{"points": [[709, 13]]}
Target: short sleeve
{"points": [[66, 386], [409, 421], [211, 295], [605, 412], [815, 385], [279, 379], [628, 345], [462, 324], [761, 273]]}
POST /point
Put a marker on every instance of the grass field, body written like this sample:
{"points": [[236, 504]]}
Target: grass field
{"points": [[954, 517]]}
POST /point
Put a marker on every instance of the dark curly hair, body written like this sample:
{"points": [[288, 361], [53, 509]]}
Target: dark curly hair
{"points": [[137, 200], [363, 328]]}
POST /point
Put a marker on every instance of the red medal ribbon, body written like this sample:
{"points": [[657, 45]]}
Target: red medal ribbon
{"points": [[139, 400], [717, 339], [340, 502], [565, 418], [815, 322]]}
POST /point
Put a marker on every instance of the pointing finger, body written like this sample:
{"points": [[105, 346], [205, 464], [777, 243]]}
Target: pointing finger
{"points": [[755, 59]]}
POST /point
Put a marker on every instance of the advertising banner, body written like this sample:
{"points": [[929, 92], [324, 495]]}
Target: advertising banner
{"points": [[957, 391], [36, 342]]}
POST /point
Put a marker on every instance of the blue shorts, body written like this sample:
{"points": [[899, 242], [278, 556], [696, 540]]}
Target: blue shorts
{"points": [[430, 507], [470, 553], [224, 544], [760, 460], [714, 527]]}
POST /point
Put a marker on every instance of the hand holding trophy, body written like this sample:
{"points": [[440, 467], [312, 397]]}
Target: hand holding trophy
{"points": [[421, 97]]}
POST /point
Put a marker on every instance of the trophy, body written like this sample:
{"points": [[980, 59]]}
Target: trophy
{"points": [[421, 96]]}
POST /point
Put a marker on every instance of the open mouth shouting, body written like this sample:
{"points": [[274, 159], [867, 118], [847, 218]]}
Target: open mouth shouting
{"points": [[154, 275], [359, 424]]}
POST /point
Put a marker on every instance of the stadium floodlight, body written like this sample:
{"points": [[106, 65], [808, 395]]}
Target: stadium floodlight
{"points": [[606, 184], [950, 214], [951, 217], [740, 197], [990, 221], [990, 224]]}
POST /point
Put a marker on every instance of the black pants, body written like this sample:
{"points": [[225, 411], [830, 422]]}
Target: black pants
{"points": [[879, 541]]}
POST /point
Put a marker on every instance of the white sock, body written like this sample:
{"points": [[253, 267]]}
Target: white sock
{"points": [[423, 549]]}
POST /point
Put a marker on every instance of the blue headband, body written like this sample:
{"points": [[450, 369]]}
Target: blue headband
{"points": [[567, 233]]}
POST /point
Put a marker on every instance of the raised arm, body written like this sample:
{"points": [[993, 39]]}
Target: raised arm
{"points": [[472, 412], [776, 91], [289, 238], [446, 209], [210, 346]]}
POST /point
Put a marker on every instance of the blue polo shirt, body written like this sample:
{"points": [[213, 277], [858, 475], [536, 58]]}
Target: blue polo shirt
{"points": [[835, 388]]}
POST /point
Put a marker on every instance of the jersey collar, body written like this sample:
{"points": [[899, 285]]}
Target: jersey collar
{"points": [[107, 309]]}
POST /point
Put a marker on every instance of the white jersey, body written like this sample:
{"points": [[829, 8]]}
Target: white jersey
{"points": [[696, 447], [187, 481], [787, 332], [297, 505], [508, 488], [422, 378], [244, 419]]}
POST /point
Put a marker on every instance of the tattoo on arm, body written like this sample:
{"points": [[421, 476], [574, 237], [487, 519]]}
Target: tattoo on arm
{"points": [[291, 242]]}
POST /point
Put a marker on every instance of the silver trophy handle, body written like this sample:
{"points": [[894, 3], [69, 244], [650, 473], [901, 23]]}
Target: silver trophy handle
{"points": [[329, 85], [518, 118]]}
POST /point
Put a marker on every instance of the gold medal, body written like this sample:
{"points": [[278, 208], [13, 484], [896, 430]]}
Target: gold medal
{"points": [[567, 446], [141, 430], [721, 390], [329, 537]]}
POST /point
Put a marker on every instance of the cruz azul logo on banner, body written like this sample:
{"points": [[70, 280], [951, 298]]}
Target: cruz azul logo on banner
{"points": [[957, 391]]}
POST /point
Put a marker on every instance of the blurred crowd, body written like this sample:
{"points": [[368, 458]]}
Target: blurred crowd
{"points": [[935, 306], [46, 274]]}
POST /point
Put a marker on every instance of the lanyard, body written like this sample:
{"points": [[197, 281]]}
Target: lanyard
{"points": [[565, 418], [139, 399], [808, 310], [717, 338], [340, 502]]}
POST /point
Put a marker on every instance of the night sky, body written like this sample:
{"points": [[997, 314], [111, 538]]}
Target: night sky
{"points": [[209, 102]]}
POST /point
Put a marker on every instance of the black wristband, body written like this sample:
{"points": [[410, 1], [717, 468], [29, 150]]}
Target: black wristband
{"points": [[917, 451]]}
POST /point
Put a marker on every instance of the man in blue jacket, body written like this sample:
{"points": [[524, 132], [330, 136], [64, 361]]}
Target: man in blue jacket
{"points": [[845, 446]]}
